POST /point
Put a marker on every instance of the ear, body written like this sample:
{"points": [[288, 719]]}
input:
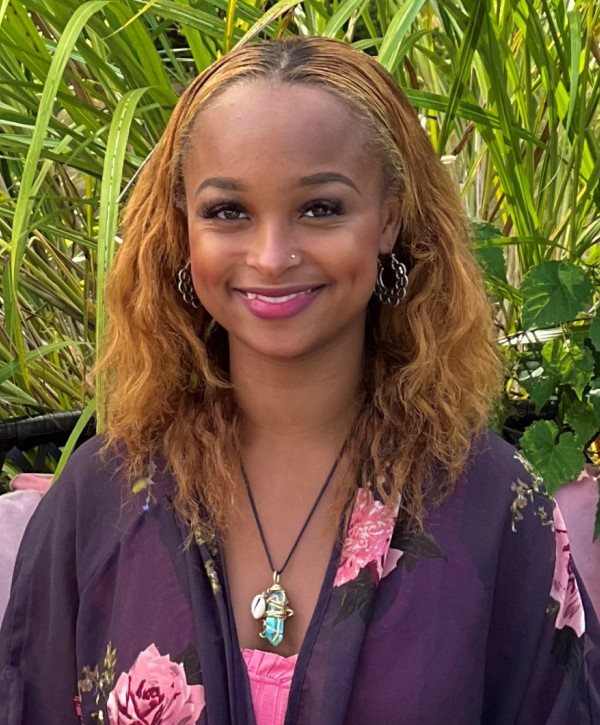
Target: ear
{"points": [[391, 220]]}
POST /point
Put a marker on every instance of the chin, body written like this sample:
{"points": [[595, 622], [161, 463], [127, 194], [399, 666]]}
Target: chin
{"points": [[285, 353], [282, 348]]}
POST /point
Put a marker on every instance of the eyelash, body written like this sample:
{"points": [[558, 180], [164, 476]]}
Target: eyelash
{"points": [[333, 206], [212, 210]]}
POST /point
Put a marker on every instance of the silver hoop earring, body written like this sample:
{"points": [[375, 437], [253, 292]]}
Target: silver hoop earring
{"points": [[186, 286], [393, 293]]}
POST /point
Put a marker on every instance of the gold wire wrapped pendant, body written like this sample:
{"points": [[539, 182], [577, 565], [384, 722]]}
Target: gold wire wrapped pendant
{"points": [[272, 607]]}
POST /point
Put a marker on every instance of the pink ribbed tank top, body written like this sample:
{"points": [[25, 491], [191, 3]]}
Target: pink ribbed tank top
{"points": [[270, 678]]}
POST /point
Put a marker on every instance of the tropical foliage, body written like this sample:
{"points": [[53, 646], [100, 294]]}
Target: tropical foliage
{"points": [[508, 91]]}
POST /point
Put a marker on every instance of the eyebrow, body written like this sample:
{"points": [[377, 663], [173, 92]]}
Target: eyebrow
{"points": [[323, 177], [326, 177], [219, 182]]}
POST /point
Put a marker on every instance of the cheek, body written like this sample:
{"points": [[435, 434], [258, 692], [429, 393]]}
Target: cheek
{"points": [[208, 272], [360, 261]]}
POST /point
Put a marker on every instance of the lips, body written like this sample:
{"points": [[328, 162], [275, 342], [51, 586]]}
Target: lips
{"points": [[278, 297], [278, 303]]}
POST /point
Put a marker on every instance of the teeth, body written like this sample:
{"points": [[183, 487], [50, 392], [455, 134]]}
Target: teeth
{"points": [[277, 300]]}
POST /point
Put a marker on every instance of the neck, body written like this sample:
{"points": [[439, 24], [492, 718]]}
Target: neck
{"points": [[298, 400]]}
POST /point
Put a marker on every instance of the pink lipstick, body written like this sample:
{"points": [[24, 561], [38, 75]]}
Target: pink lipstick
{"points": [[278, 304]]}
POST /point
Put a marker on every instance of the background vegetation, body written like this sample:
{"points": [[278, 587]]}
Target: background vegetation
{"points": [[507, 90]]}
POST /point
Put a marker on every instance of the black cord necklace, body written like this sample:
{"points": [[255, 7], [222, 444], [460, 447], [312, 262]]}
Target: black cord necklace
{"points": [[272, 605]]}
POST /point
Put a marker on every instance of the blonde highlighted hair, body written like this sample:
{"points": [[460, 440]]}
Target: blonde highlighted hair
{"points": [[433, 370]]}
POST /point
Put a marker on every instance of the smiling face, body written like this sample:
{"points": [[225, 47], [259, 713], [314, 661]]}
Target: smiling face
{"points": [[286, 218]]}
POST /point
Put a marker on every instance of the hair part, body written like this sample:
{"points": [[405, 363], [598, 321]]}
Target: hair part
{"points": [[433, 371]]}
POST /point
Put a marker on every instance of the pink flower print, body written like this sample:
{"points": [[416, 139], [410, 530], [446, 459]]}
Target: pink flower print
{"points": [[564, 585], [368, 538], [77, 706], [154, 692]]}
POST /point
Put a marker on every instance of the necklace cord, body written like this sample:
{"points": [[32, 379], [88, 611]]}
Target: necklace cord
{"points": [[307, 520]]}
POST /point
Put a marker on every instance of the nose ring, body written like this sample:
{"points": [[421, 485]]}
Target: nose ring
{"points": [[293, 256]]}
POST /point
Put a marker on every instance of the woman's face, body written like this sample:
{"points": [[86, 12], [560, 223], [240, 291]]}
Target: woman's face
{"points": [[286, 218]]}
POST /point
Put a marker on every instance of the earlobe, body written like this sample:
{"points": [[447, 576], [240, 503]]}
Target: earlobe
{"points": [[392, 221]]}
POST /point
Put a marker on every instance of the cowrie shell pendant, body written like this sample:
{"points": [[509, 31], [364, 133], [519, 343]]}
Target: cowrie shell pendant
{"points": [[272, 607], [258, 606]]}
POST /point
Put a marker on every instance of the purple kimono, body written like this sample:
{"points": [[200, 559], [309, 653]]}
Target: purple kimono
{"points": [[480, 619]]}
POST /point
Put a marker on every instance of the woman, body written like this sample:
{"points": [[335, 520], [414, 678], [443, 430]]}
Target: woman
{"points": [[296, 507]]}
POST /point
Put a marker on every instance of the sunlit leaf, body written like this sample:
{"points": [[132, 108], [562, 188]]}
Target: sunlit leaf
{"points": [[539, 383], [390, 52], [554, 292]]}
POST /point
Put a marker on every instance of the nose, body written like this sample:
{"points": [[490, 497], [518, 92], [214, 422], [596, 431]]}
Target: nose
{"points": [[271, 249]]}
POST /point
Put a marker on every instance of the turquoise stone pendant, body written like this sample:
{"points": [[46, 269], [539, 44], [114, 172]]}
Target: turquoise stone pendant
{"points": [[272, 607]]}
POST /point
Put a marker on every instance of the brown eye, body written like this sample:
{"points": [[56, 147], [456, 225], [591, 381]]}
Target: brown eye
{"points": [[322, 208], [224, 211]]}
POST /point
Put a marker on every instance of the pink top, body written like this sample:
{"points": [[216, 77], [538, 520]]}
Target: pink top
{"points": [[270, 678]]}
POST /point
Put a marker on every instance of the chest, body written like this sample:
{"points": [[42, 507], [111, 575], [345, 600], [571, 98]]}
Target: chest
{"points": [[371, 649], [249, 574]]}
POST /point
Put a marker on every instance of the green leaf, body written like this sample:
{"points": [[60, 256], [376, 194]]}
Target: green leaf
{"points": [[504, 146], [468, 45], [341, 16], [594, 396], [582, 418], [131, 20], [575, 36], [554, 292], [229, 24], [469, 111], [595, 332], [484, 231], [84, 418], [390, 54], [109, 210], [571, 363], [3, 7], [557, 458], [487, 249], [540, 383], [139, 485], [492, 261], [7, 371], [576, 367], [276, 11], [55, 74], [24, 201]]}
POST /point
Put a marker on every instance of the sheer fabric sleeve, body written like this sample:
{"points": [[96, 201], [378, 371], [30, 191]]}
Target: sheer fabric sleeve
{"points": [[543, 661], [38, 677]]}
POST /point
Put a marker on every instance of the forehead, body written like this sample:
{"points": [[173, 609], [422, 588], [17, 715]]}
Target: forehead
{"points": [[261, 123]]}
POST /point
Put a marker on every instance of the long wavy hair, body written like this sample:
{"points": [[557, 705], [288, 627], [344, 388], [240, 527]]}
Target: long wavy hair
{"points": [[432, 373]]}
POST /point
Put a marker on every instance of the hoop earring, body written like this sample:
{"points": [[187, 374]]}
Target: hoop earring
{"points": [[185, 286], [391, 294]]}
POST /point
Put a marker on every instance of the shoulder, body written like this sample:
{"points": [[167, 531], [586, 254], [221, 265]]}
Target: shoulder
{"points": [[96, 477], [499, 508], [493, 461], [89, 490], [497, 477], [92, 503]]}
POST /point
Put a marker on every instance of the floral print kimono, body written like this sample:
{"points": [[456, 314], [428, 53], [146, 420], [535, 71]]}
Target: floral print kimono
{"points": [[479, 619]]}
